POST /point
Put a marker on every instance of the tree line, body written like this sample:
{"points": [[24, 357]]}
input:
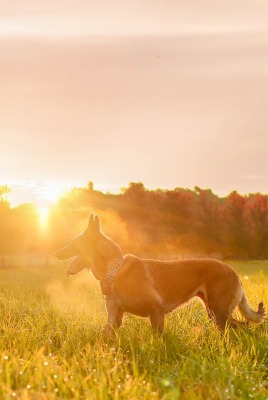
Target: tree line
{"points": [[149, 223]]}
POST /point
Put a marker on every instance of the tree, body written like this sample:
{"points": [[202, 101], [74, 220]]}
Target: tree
{"points": [[236, 225], [4, 223], [208, 221], [4, 191], [258, 210]]}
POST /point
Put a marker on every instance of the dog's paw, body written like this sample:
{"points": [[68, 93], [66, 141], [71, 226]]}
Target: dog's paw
{"points": [[108, 332]]}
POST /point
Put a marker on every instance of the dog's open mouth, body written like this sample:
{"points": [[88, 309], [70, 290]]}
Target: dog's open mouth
{"points": [[75, 266]]}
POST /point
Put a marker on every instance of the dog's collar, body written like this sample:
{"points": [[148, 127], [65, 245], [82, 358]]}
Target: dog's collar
{"points": [[109, 278]]}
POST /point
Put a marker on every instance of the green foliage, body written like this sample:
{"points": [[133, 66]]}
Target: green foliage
{"points": [[149, 223], [51, 346], [179, 222], [4, 191]]}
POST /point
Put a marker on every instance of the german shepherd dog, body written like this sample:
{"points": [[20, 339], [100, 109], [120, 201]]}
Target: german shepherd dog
{"points": [[152, 288]]}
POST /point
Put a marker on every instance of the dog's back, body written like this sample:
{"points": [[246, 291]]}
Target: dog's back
{"points": [[173, 283]]}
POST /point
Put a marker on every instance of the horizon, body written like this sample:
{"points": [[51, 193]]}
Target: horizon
{"points": [[44, 197]]}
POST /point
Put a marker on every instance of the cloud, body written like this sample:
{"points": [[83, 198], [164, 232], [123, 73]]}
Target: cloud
{"points": [[121, 17]]}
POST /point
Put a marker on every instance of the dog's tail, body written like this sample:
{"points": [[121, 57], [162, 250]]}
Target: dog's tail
{"points": [[249, 314]]}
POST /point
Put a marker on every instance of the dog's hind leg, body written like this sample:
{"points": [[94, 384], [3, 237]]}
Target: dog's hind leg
{"points": [[218, 311], [218, 316], [210, 312], [221, 303], [235, 324]]}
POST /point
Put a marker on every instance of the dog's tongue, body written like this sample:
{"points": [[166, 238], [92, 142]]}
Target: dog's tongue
{"points": [[75, 266]]}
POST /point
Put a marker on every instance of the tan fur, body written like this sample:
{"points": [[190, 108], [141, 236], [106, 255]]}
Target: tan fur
{"points": [[152, 288]]}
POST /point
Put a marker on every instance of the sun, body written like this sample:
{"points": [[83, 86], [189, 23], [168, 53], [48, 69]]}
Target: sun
{"points": [[43, 214], [50, 192]]}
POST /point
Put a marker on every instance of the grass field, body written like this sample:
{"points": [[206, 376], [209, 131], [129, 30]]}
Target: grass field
{"points": [[51, 345]]}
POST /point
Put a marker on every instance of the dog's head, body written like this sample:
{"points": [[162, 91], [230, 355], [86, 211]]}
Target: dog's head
{"points": [[81, 247]]}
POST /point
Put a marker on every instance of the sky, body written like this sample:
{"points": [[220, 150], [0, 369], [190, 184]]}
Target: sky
{"points": [[169, 93]]}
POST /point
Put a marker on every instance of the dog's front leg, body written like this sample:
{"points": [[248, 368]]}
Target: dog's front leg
{"points": [[115, 317], [157, 321]]}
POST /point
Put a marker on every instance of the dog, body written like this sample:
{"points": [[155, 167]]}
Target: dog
{"points": [[152, 288]]}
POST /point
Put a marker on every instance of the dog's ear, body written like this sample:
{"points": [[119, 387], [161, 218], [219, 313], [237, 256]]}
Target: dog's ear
{"points": [[90, 221], [97, 223]]}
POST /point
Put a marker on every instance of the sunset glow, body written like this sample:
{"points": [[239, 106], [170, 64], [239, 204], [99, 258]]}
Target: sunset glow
{"points": [[43, 214], [51, 192], [130, 91], [41, 193]]}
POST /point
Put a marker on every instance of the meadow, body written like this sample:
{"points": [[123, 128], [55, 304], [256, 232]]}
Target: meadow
{"points": [[51, 345]]}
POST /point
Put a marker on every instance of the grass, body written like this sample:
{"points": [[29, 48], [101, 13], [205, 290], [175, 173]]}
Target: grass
{"points": [[51, 345]]}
